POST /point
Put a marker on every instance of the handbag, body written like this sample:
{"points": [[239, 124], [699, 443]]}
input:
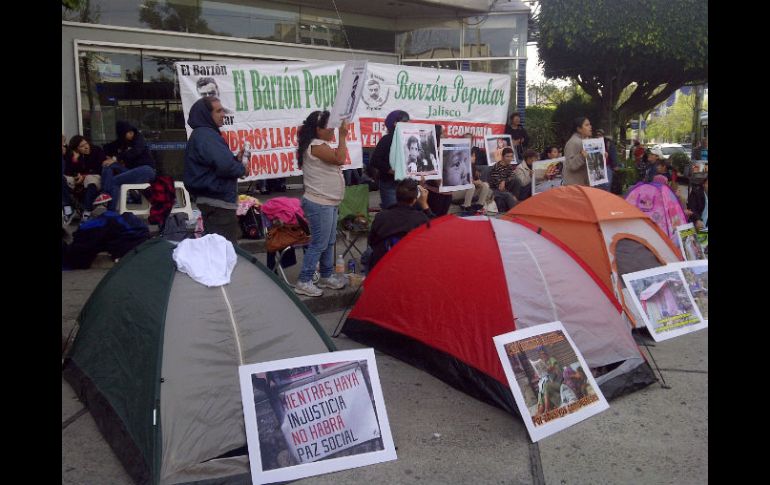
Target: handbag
{"points": [[282, 236]]}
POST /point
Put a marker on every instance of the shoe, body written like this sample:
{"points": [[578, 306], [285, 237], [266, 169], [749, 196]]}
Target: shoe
{"points": [[67, 214], [332, 283], [86, 215], [102, 199], [307, 288]]}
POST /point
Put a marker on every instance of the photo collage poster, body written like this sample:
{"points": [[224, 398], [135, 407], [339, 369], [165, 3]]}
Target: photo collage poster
{"points": [[456, 167], [596, 161], [316, 414], [550, 381], [687, 237], [663, 299]]}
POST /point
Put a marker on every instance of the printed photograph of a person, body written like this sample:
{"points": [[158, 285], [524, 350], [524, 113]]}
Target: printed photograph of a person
{"points": [[207, 87], [495, 145], [314, 414], [663, 300], [550, 381], [456, 169], [420, 159], [547, 174]]}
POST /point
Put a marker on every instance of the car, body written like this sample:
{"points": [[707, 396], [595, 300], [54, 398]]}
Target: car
{"points": [[669, 149]]}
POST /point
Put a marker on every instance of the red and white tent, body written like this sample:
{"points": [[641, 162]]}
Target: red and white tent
{"points": [[443, 292]]}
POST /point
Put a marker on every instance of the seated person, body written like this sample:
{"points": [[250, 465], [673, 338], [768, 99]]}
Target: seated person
{"points": [[523, 174], [480, 188], [131, 163], [502, 182], [392, 224], [82, 169]]}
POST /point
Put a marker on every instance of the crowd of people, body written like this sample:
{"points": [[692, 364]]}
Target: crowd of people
{"points": [[92, 176]]}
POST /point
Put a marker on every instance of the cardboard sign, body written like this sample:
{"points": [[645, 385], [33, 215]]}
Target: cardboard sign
{"points": [[596, 161], [456, 167], [547, 174], [349, 93]]}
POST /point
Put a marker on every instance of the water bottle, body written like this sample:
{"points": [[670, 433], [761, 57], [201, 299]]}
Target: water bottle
{"points": [[339, 268], [352, 265]]}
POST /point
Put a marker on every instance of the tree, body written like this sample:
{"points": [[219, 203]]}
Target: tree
{"points": [[174, 17], [676, 124], [607, 46], [540, 127], [549, 94]]}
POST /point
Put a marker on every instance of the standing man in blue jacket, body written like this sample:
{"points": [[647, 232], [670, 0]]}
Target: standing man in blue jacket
{"points": [[211, 172]]}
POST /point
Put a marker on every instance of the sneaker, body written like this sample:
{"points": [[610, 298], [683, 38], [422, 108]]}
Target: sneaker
{"points": [[102, 199], [331, 283], [86, 215], [307, 288], [67, 214]]}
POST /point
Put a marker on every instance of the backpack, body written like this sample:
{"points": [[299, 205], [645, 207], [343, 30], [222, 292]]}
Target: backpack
{"points": [[175, 228], [251, 224]]}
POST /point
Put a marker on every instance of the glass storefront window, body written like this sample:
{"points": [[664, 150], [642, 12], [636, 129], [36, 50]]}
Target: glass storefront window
{"points": [[495, 36], [439, 41]]}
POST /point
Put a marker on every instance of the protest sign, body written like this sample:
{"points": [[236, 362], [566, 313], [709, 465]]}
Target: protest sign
{"points": [[696, 275], [547, 174], [550, 381], [661, 297], [349, 93], [596, 161], [315, 414], [418, 151], [456, 165], [494, 147], [460, 101], [687, 238], [265, 104]]}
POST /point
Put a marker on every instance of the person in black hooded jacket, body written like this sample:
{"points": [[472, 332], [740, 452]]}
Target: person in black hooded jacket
{"points": [[130, 163], [211, 172]]}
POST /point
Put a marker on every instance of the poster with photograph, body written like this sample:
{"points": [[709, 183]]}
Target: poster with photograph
{"points": [[456, 169], [596, 162], [702, 236], [696, 275], [547, 174], [495, 145], [315, 414], [549, 378], [348, 93], [420, 150], [687, 238], [662, 299]]}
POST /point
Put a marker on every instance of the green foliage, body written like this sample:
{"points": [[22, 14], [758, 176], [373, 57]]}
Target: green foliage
{"points": [[628, 175], [174, 17], [676, 124], [71, 4], [679, 161], [566, 112], [608, 45], [540, 127]]}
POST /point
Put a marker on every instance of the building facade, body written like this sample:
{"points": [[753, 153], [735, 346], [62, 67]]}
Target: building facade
{"points": [[118, 55]]}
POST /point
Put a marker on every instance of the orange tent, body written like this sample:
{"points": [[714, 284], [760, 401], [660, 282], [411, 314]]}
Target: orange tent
{"points": [[612, 236]]}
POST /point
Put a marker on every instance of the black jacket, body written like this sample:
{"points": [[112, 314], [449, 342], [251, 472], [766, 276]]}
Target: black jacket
{"points": [[391, 223], [381, 158], [518, 134], [134, 153]]}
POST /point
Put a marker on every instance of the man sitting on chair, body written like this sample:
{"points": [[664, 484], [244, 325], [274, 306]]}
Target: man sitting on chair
{"points": [[394, 223]]}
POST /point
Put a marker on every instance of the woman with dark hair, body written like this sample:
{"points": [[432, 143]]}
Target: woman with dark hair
{"points": [[381, 159], [82, 168], [575, 172], [324, 190]]}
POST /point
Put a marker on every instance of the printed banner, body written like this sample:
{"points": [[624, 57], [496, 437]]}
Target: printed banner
{"points": [[316, 414], [596, 161], [696, 275], [349, 93], [460, 101], [687, 237], [547, 174], [265, 104], [662, 297], [551, 382], [456, 165]]}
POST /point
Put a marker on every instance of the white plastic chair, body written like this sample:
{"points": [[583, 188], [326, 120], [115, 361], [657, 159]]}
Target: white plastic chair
{"points": [[182, 203]]}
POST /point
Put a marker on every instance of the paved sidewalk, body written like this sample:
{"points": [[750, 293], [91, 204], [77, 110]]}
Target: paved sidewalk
{"points": [[653, 436]]}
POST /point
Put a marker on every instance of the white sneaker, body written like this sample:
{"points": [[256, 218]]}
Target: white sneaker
{"points": [[307, 288], [331, 282]]}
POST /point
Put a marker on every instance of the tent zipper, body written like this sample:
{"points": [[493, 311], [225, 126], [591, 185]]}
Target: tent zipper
{"points": [[235, 326]]}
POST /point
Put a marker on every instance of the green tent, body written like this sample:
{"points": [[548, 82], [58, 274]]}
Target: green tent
{"points": [[156, 362]]}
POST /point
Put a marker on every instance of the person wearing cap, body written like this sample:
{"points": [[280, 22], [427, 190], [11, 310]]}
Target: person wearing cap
{"points": [[653, 157]]}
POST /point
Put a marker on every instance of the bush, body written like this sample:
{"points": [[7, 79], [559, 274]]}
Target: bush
{"points": [[566, 112], [540, 127], [679, 161]]}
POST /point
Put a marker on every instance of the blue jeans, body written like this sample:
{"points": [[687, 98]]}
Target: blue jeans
{"points": [[387, 194], [111, 183], [322, 220]]}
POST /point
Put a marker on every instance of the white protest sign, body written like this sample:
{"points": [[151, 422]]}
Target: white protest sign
{"points": [[456, 167], [596, 161], [265, 104], [349, 93], [547, 174]]}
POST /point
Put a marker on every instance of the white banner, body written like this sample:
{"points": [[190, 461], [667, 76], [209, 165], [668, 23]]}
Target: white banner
{"points": [[462, 102], [265, 105]]}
